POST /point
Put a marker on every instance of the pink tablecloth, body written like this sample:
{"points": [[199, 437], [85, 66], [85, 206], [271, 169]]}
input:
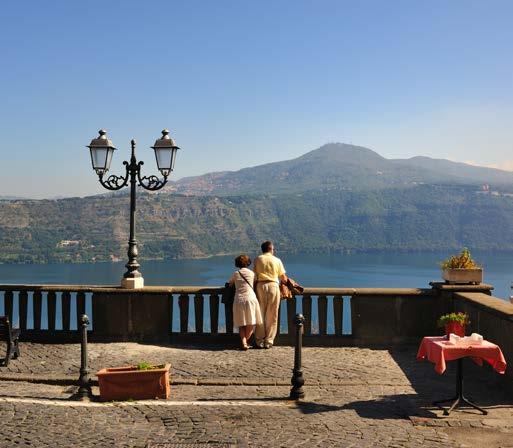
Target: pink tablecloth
{"points": [[438, 350]]}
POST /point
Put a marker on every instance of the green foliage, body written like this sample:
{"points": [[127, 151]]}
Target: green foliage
{"points": [[427, 217], [459, 317], [144, 365], [461, 261]]}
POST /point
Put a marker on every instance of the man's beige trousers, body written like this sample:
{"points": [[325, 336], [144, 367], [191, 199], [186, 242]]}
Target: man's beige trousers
{"points": [[268, 295]]}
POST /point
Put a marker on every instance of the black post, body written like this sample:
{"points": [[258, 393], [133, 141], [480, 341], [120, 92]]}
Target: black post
{"points": [[84, 389], [132, 265], [297, 380]]}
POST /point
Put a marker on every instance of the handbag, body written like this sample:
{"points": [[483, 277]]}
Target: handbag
{"points": [[290, 288], [229, 290], [228, 294], [285, 292]]}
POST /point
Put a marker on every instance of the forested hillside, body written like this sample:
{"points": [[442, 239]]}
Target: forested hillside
{"points": [[424, 217]]}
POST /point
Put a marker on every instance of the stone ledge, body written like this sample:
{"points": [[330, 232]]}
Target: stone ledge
{"points": [[166, 290], [488, 302], [461, 287]]}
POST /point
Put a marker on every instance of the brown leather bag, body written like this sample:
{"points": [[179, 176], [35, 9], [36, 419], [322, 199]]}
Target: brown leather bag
{"points": [[285, 292], [290, 288]]}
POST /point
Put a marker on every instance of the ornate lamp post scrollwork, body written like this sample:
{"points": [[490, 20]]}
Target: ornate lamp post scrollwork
{"points": [[102, 151]]}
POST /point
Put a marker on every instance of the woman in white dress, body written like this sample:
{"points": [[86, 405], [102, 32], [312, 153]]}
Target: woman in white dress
{"points": [[246, 310]]}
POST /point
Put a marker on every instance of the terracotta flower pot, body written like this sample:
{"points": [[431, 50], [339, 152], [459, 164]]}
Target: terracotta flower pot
{"points": [[455, 328], [123, 383]]}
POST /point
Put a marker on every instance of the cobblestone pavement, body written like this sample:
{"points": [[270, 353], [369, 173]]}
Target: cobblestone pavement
{"points": [[223, 398], [320, 365]]}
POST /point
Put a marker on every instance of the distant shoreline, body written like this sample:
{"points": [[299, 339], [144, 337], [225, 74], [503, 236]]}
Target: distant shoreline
{"points": [[347, 252]]}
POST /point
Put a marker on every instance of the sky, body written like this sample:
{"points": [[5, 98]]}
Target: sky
{"points": [[242, 83]]}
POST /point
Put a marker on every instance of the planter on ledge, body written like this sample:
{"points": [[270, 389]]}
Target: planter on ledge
{"points": [[462, 275], [129, 382]]}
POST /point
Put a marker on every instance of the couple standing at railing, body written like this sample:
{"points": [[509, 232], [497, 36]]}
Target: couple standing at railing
{"points": [[257, 296]]}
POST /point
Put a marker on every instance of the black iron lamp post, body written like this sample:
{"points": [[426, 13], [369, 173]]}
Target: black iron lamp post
{"points": [[102, 151]]}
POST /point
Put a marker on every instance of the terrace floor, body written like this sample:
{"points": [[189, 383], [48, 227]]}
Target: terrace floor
{"points": [[355, 396]]}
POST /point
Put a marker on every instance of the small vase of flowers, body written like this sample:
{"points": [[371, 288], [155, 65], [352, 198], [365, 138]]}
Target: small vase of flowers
{"points": [[454, 323]]}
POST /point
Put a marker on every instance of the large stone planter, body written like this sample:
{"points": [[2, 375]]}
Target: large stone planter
{"points": [[123, 383], [462, 276]]}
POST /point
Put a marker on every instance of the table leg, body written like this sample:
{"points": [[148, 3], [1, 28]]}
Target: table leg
{"points": [[459, 398]]}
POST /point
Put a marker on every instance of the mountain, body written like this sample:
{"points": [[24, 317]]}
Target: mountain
{"points": [[334, 199], [338, 166], [460, 172]]}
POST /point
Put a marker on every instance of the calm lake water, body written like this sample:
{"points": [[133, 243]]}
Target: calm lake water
{"points": [[352, 271]]}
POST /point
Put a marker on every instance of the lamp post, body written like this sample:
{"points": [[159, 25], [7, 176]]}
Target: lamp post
{"points": [[102, 151]]}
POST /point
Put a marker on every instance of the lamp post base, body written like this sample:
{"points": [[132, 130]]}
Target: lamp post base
{"points": [[132, 283]]}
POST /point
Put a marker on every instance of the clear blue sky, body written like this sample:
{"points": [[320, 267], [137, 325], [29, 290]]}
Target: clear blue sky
{"points": [[242, 83]]}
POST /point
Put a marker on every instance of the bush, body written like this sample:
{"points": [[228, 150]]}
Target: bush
{"points": [[459, 317], [462, 261]]}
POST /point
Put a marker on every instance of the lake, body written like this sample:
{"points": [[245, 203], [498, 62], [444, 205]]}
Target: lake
{"points": [[387, 270]]}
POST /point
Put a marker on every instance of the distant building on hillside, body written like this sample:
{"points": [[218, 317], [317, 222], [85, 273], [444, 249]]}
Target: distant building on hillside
{"points": [[67, 243]]}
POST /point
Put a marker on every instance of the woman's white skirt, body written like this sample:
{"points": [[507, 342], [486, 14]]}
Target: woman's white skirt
{"points": [[246, 311]]}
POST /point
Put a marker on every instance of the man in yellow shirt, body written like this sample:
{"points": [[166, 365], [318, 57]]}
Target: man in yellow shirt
{"points": [[269, 271]]}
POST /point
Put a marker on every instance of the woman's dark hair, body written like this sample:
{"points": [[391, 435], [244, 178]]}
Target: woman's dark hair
{"points": [[266, 246], [242, 261]]}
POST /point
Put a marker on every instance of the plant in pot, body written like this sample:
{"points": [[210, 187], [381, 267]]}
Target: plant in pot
{"points": [[454, 323], [139, 382], [461, 269]]}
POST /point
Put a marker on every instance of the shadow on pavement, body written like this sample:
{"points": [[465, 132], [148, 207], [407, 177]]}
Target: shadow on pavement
{"points": [[306, 407], [391, 407]]}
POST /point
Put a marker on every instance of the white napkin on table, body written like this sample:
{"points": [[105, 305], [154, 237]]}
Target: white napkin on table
{"points": [[474, 339]]}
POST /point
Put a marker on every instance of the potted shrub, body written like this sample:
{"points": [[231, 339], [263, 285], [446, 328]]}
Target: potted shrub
{"points": [[143, 381], [461, 269], [454, 323]]}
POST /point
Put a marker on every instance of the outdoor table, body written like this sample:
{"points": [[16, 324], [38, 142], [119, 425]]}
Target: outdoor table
{"points": [[438, 349]]}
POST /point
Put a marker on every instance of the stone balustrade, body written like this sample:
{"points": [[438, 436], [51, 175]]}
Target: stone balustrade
{"points": [[196, 314]]}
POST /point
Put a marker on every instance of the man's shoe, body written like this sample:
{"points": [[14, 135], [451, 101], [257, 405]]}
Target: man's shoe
{"points": [[260, 345], [268, 345]]}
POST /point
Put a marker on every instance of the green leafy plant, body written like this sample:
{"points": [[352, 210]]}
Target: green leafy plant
{"points": [[144, 365], [462, 261], [459, 317]]}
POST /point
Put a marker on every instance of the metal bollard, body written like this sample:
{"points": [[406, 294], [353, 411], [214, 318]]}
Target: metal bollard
{"points": [[84, 389], [297, 380]]}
